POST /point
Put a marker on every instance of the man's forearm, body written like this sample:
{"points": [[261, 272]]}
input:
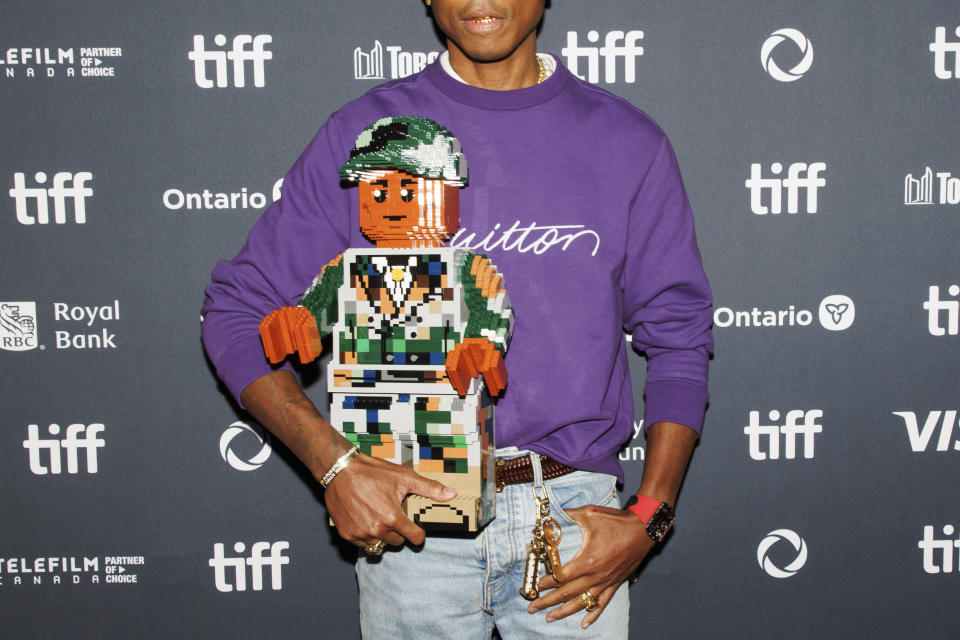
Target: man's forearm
{"points": [[278, 403], [669, 447]]}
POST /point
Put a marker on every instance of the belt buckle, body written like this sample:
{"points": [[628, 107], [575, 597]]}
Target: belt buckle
{"points": [[500, 483]]}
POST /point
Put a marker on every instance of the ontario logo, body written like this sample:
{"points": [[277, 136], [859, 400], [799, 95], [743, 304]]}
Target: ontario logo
{"points": [[18, 326], [836, 313]]}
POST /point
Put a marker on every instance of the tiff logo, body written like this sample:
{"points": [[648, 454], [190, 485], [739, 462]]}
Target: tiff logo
{"points": [[77, 192], [78, 437], [800, 176], [257, 561], [945, 546], [935, 306], [920, 437], [940, 48], [629, 50], [256, 55], [790, 430]]}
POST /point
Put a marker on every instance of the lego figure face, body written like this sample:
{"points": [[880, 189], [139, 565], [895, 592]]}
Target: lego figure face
{"points": [[488, 30], [399, 210]]}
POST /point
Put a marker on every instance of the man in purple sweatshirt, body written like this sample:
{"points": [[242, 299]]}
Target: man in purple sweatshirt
{"points": [[576, 196]]}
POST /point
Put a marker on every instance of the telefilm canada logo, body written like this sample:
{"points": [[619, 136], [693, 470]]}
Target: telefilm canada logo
{"points": [[931, 187], [369, 65], [216, 66], [835, 313], [235, 443], [942, 424], [59, 62], [801, 56], [17, 571], [946, 54], [617, 45], [772, 562], [230, 573], [65, 198]]}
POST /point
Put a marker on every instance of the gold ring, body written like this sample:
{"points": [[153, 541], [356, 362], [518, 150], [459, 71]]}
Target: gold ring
{"points": [[589, 602], [375, 549]]}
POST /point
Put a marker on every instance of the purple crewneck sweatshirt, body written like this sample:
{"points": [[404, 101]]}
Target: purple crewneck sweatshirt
{"points": [[576, 196]]}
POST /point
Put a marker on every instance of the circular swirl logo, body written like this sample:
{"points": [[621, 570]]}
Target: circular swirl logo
{"points": [[770, 65], [773, 538], [236, 461]]}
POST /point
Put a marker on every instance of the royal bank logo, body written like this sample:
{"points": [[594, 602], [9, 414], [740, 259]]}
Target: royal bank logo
{"points": [[836, 312], [945, 54], [767, 193], [616, 45], [18, 326], [931, 188], [774, 539], [244, 49], [67, 194], [368, 65], [772, 45], [942, 423], [943, 315], [230, 572], [231, 441], [52, 62]]}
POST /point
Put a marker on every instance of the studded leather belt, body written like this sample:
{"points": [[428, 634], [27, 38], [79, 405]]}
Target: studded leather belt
{"points": [[520, 470]]}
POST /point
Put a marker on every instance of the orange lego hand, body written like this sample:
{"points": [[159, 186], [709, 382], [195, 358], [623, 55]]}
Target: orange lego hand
{"points": [[289, 330], [472, 357]]}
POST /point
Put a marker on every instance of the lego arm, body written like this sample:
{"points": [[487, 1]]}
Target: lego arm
{"points": [[488, 329], [301, 329]]}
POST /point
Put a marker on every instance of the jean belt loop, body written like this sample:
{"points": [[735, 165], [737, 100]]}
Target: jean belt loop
{"points": [[537, 474]]}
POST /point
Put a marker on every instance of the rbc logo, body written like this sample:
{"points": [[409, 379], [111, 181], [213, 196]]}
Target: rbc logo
{"points": [[257, 55], [77, 191], [771, 67], [798, 423], [940, 48], [78, 437], [610, 51], [257, 561], [18, 326], [800, 176]]}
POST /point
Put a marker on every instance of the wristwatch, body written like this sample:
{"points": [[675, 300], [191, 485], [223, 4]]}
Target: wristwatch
{"points": [[656, 515]]}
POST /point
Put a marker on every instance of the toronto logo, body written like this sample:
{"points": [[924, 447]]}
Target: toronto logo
{"points": [[800, 68]]}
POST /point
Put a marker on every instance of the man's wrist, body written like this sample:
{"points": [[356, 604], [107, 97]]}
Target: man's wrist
{"points": [[657, 516]]}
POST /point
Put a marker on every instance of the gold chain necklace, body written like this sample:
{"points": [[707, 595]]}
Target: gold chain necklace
{"points": [[541, 69]]}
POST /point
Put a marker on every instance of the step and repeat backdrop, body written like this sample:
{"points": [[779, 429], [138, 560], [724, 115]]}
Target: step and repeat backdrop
{"points": [[819, 144]]}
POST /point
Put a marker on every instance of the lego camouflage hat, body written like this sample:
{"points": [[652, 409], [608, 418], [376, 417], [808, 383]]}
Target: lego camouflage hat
{"points": [[417, 145]]}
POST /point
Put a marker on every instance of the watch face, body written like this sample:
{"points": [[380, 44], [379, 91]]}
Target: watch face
{"points": [[660, 522]]}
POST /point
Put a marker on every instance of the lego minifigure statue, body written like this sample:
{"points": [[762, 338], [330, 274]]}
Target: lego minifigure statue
{"points": [[414, 323]]}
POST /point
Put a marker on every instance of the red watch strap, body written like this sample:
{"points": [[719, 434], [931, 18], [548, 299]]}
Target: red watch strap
{"points": [[645, 507]]}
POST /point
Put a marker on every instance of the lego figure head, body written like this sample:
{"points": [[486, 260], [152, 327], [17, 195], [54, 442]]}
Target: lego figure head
{"points": [[409, 171]]}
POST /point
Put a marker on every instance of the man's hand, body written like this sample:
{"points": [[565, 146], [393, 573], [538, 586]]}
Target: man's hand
{"points": [[364, 498], [364, 501], [614, 544]]}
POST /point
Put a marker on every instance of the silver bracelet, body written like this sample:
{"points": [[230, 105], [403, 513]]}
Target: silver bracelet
{"points": [[338, 466]]}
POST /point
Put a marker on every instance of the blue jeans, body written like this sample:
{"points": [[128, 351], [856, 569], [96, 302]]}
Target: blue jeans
{"points": [[461, 586]]}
